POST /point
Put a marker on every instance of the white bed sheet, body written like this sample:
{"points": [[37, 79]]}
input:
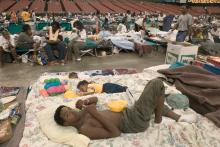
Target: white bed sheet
{"points": [[201, 134]]}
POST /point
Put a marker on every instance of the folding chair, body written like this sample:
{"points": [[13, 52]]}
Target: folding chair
{"points": [[23, 53], [90, 48]]}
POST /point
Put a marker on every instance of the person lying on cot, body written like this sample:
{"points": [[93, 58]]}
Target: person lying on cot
{"points": [[87, 88], [106, 124]]}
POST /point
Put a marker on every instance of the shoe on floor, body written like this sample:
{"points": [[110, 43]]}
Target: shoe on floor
{"points": [[78, 59]]}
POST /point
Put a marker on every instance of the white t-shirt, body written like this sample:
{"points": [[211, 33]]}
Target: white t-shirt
{"points": [[82, 34], [5, 43], [121, 28], [184, 21]]}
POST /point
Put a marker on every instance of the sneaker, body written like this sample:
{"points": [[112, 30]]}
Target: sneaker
{"points": [[78, 59]]}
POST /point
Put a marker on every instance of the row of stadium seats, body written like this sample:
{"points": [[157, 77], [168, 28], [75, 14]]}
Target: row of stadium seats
{"points": [[88, 6]]}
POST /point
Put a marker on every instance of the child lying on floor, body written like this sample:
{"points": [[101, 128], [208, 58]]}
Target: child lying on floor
{"points": [[87, 88], [97, 124]]}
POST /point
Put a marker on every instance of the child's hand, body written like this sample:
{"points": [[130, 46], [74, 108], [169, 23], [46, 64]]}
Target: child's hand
{"points": [[79, 104]]}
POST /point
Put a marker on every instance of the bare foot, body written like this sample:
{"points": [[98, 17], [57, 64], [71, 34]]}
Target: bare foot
{"points": [[53, 63], [62, 62]]}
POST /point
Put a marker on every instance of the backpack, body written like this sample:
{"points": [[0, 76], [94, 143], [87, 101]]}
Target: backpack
{"points": [[41, 59]]}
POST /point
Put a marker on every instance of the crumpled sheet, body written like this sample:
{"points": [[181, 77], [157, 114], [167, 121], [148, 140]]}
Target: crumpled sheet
{"points": [[167, 134], [121, 42]]}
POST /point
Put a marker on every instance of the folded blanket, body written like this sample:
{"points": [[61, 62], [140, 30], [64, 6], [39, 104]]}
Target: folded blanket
{"points": [[60, 134], [202, 88]]}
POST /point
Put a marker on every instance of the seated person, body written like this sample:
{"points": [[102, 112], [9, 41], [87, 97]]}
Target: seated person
{"points": [[197, 36], [7, 45], [54, 42], [106, 124], [25, 15], [14, 18], [87, 88], [105, 25], [78, 43], [25, 39], [138, 27], [215, 32], [122, 27]]}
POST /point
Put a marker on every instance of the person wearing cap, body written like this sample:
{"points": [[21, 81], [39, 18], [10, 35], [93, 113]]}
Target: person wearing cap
{"points": [[54, 42], [7, 45], [183, 25]]}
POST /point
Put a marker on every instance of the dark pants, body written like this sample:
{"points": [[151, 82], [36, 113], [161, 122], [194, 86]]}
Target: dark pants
{"points": [[76, 46], [60, 47], [6, 56], [137, 118], [216, 39], [113, 88], [181, 36]]}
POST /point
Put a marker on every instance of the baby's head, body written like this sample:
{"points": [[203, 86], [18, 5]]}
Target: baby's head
{"points": [[83, 85], [73, 75]]}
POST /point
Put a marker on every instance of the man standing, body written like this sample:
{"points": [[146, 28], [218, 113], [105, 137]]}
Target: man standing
{"points": [[183, 25]]}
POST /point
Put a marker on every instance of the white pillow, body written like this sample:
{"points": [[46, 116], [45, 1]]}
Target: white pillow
{"points": [[57, 133]]}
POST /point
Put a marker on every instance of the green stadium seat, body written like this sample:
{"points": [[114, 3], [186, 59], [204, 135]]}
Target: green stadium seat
{"points": [[15, 28], [66, 25], [39, 26]]}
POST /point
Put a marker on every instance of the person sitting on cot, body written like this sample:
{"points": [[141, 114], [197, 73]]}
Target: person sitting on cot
{"points": [[87, 88], [106, 124]]}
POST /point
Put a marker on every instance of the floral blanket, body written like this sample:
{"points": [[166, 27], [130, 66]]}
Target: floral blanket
{"points": [[168, 134]]}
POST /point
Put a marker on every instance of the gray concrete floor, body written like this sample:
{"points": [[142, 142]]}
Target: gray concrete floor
{"points": [[25, 74]]}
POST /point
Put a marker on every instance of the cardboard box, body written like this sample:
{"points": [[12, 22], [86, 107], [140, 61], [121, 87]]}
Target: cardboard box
{"points": [[179, 53]]}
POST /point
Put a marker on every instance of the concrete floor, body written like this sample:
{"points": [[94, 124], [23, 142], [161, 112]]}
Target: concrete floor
{"points": [[25, 74]]}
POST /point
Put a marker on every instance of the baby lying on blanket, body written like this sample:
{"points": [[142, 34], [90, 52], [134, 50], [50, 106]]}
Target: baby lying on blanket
{"points": [[87, 88], [106, 124]]}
